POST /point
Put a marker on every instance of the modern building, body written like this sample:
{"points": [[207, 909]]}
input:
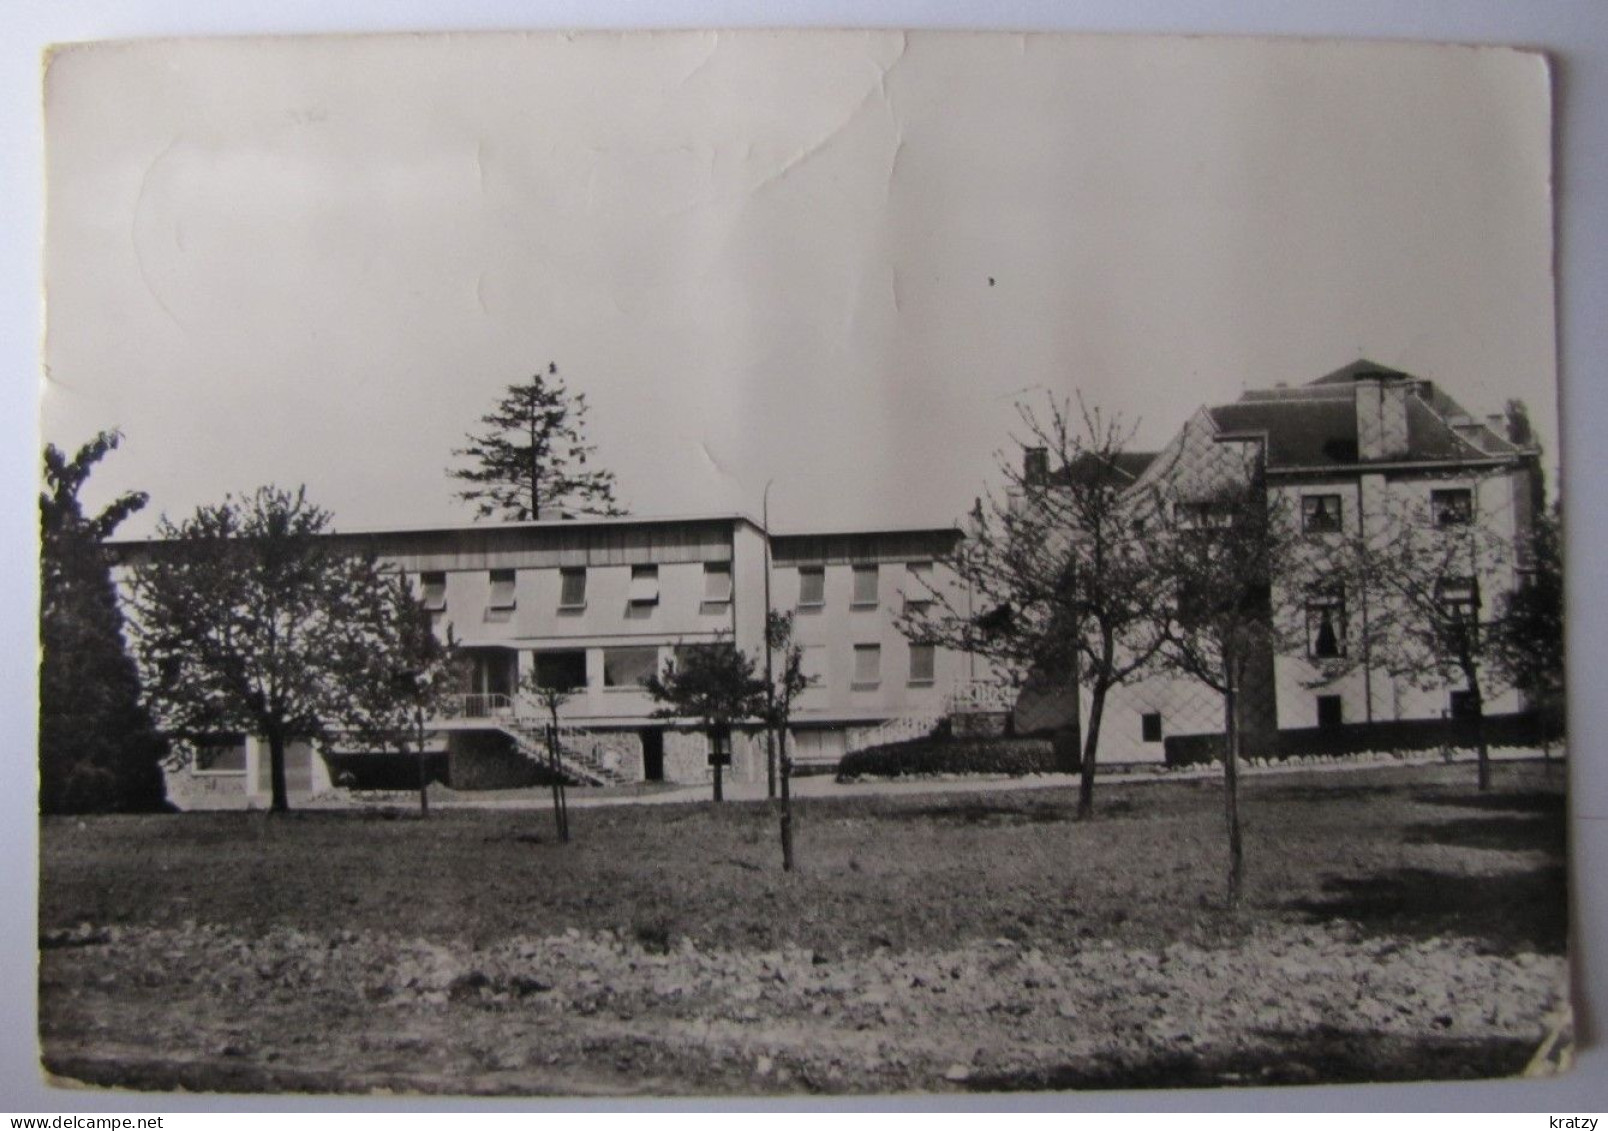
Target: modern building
{"points": [[598, 605]]}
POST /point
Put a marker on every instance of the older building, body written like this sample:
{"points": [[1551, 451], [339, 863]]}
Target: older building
{"points": [[1346, 454]]}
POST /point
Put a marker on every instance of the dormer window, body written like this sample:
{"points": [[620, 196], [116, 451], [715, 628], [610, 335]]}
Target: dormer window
{"points": [[1452, 507]]}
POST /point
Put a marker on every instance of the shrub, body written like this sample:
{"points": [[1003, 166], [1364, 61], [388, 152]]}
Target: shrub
{"points": [[1385, 736], [957, 756]]}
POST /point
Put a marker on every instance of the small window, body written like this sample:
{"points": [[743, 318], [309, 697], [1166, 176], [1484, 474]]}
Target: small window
{"points": [[564, 671], [918, 587], [922, 660], [644, 585], [1326, 624], [572, 588], [629, 667], [434, 586], [1150, 726], [1321, 514], [1331, 711], [867, 665], [221, 754], [811, 587], [1452, 507], [502, 589], [1464, 705], [1460, 611], [717, 583], [865, 587]]}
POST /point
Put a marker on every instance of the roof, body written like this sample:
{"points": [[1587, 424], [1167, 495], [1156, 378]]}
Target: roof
{"points": [[1315, 425]]}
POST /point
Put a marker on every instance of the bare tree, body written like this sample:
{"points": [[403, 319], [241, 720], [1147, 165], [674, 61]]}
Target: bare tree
{"points": [[1436, 578], [533, 455], [551, 697], [1528, 641], [789, 683], [1056, 585], [1217, 546]]}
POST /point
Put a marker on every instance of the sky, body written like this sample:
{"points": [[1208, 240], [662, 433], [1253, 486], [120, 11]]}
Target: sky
{"points": [[830, 261]]}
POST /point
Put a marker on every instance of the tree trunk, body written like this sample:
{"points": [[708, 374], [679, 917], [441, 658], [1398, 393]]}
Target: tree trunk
{"points": [[787, 807], [1091, 743], [560, 818], [424, 770], [720, 794], [1231, 752], [770, 760], [276, 771], [1482, 747]]}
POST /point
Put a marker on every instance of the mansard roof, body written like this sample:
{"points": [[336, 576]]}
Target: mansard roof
{"points": [[1315, 425]]}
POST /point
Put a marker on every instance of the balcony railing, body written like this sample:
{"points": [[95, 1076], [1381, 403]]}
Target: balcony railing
{"points": [[484, 705], [980, 698]]}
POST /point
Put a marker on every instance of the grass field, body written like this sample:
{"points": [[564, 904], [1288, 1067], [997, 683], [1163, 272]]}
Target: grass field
{"points": [[929, 941]]}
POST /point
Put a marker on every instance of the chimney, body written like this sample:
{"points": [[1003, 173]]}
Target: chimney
{"points": [[1035, 466], [1381, 416]]}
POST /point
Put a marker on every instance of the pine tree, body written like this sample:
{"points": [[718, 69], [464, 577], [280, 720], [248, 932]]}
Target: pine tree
{"points": [[533, 455], [98, 751]]}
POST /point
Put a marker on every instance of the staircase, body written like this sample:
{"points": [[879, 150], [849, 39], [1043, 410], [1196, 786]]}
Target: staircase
{"points": [[901, 729], [578, 753]]}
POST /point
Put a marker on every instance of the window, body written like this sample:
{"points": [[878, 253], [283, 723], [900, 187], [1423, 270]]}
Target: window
{"points": [[867, 665], [1464, 705], [811, 587], [1150, 726], [629, 667], [1460, 608], [717, 583], [644, 585], [922, 660], [819, 745], [1321, 514], [865, 587], [502, 589], [1326, 623], [572, 588], [434, 585], [918, 586], [1330, 711], [565, 671], [720, 747], [1452, 507], [221, 754]]}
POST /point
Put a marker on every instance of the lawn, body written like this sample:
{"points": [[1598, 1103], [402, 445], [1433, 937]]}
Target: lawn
{"points": [[1397, 925]]}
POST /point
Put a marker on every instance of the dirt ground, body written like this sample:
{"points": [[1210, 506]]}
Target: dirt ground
{"points": [[1400, 927]]}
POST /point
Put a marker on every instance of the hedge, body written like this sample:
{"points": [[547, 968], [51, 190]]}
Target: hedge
{"points": [[1014, 757], [1392, 736]]}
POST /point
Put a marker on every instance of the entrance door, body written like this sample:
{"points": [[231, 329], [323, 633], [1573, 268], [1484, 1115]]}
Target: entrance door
{"points": [[653, 755]]}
